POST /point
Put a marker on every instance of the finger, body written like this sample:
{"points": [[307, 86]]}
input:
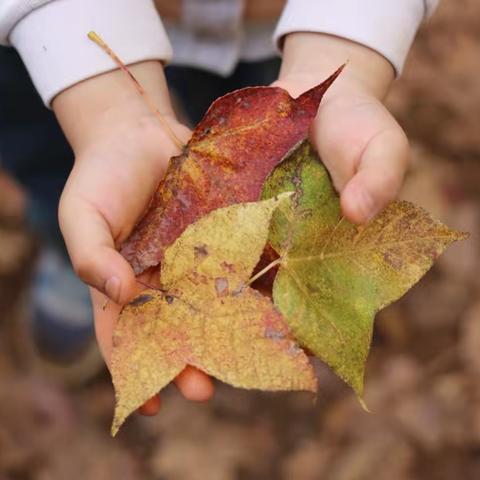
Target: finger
{"points": [[106, 315], [92, 251], [151, 407], [378, 178], [194, 385]]}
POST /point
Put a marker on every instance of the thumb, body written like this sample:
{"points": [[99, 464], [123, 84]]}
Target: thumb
{"points": [[378, 178], [92, 250]]}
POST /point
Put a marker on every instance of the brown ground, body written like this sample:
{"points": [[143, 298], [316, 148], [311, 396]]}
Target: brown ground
{"points": [[422, 381]]}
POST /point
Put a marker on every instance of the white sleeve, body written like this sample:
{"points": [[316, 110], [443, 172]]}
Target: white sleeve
{"points": [[387, 27], [51, 37]]}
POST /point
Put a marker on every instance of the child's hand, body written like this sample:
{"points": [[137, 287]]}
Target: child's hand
{"points": [[361, 144], [121, 151]]}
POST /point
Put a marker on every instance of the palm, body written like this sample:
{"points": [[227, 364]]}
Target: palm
{"points": [[114, 187]]}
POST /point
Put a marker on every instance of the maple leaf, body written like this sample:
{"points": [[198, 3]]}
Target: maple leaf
{"points": [[241, 138], [205, 315], [334, 276]]}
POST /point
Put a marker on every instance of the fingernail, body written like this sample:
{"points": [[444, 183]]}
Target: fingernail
{"points": [[112, 288]]}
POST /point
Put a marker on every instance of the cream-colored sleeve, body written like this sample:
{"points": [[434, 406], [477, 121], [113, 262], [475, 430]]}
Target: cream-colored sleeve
{"points": [[387, 27], [51, 37]]}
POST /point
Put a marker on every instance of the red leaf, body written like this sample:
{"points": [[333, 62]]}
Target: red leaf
{"points": [[242, 137]]}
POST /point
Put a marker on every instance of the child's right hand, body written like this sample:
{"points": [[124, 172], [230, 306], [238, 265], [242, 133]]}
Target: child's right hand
{"points": [[121, 151]]}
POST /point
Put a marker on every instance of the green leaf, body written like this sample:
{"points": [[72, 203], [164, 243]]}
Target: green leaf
{"points": [[335, 276]]}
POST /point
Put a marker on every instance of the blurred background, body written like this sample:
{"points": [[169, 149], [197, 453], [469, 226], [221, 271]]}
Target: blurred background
{"points": [[422, 380]]}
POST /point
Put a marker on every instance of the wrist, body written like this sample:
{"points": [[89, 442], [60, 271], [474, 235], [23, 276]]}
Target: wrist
{"points": [[309, 58], [94, 107]]}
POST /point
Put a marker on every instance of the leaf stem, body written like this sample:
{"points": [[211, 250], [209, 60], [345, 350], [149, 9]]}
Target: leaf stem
{"points": [[263, 271], [94, 37]]}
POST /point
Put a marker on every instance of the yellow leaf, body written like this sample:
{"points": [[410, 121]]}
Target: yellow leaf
{"points": [[205, 316]]}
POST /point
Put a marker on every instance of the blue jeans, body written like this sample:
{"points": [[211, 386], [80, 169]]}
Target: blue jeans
{"points": [[32, 146]]}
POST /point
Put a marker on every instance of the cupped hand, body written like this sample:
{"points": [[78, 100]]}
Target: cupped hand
{"points": [[364, 149], [121, 153]]}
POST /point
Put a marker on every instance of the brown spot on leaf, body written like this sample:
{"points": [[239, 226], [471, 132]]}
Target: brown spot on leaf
{"points": [[200, 251], [228, 267], [221, 286], [313, 288], [140, 300], [198, 279], [393, 260]]}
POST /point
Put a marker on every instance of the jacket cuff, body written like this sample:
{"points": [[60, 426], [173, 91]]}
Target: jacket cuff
{"points": [[386, 27], [52, 40]]}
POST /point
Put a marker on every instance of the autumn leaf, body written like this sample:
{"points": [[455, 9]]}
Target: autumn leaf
{"points": [[242, 137], [335, 276], [205, 316]]}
